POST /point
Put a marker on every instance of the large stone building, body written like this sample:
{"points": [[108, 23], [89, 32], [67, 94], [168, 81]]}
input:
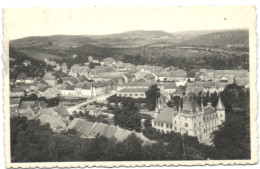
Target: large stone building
{"points": [[192, 119], [240, 77], [77, 70]]}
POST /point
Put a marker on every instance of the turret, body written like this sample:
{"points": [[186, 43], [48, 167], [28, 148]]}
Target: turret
{"points": [[160, 104], [220, 110]]}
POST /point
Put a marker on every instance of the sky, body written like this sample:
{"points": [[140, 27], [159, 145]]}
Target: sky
{"points": [[21, 23]]}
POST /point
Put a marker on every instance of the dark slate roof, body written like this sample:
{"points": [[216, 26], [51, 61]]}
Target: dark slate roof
{"points": [[24, 104], [220, 105], [69, 87], [208, 110], [133, 90], [190, 104], [17, 89], [109, 131], [15, 100], [62, 110], [166, 115]]}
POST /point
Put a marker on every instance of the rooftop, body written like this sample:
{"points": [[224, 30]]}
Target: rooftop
{"points": [[133, 90], [166, 115]]}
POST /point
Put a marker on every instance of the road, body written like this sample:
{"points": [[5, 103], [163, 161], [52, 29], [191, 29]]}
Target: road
{"points": [[94, 99]]}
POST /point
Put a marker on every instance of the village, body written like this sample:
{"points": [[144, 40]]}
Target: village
{"points": [[80, 97]]}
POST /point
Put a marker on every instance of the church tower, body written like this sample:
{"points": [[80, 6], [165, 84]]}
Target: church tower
{"points": [[160, 104], [220, 110]]}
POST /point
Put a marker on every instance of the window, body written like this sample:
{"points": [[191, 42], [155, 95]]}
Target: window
{"points": [[119, 94], [199, 123], [195, 125], [130, 94], [167, 125], [155, 123], [161, 124], [136, 94], [186, 124], [220, 115], [125, 94], [205, 131], [170, 126], [175, 128], [141, 94]]}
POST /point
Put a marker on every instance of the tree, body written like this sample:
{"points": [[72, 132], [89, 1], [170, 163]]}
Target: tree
{"points": [[128, 116], [156, 151], [131, 148], [148, 123], [175, 146], [233, 138], [151, 95], [151, 133], [53, 102]]}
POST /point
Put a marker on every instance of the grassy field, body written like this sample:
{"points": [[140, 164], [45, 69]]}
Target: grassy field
{"points": [[40, 55]]}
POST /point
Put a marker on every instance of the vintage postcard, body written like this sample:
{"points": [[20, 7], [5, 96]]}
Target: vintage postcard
{"points": [[130, 86]]}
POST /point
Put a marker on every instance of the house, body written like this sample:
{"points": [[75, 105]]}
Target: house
{"points": [[150, 77], [90, 130], [21, 78], [64, 68], [16, 92], [204, 87], [26, 87], [178, 92], [30, 108], [26, 63], [14, 104], [191, 74], [109, 61], [82, 79], [55, 123], [48, 92], [38, 81], [103, 77], [77, 70], [220, 75], [12, 82], [99, 70], [172, 75], [28, 80], [50, 79], [128, 77], [79, 90], [134, 93], [70, 80], [49, 62], [138, 85], [59, 112], [169, 88], [191, 119]]}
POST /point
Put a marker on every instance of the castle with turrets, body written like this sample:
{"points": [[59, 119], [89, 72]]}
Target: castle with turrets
{"points": [[190, 118]]}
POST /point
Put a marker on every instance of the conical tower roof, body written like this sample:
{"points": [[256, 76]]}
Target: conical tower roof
{"points": [[220, 105]]}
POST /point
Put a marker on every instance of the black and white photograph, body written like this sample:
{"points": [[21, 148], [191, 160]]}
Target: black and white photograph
{"points": [[129, 86]]}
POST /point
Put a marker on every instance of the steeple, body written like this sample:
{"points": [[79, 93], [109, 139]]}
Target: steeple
{"points": [[202, 106], [220, 105], [179, 104]]}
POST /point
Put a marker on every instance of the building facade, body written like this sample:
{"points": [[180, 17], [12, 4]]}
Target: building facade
{"points": [[190, 119]]}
